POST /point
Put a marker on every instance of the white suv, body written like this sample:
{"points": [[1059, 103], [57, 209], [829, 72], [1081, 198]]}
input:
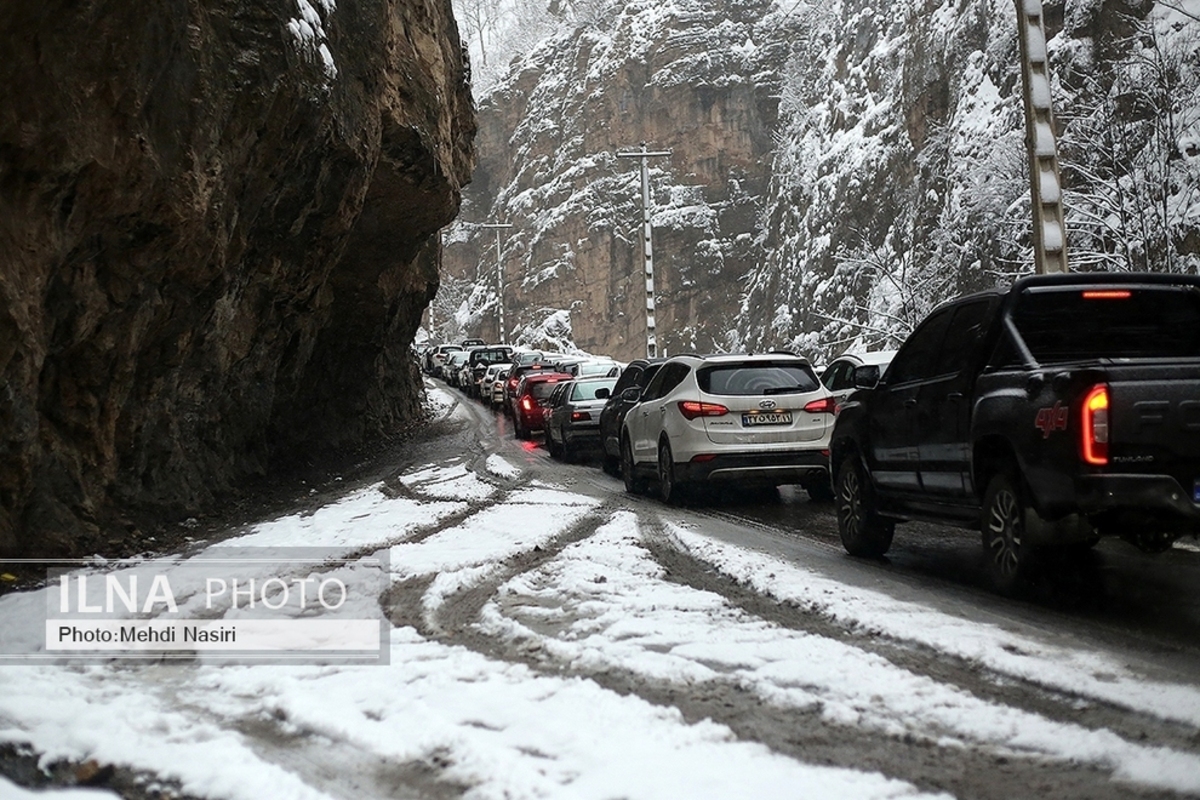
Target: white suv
{"points": [[753, 419]]}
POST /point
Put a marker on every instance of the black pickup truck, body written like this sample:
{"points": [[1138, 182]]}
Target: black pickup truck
{"points": [[1063, 409]]}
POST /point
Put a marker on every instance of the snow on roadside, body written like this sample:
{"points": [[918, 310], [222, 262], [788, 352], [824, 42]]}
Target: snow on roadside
{"points": [[1085, 674], [604, 603], [456, 482], [10, 791], [364, 518], [471, 552], [496, 465], [507, 732]]}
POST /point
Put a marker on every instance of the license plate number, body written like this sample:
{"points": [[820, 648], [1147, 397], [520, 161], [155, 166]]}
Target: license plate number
{"points": [[767, 418]]}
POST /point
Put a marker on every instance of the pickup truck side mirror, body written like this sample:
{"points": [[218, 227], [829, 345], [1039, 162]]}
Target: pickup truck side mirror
{"points": [[602, 393], [866, 376], [632, 394]]}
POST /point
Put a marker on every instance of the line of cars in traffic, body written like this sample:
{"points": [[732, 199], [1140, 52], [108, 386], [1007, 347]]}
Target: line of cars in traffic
{"points": [[674, 424]]}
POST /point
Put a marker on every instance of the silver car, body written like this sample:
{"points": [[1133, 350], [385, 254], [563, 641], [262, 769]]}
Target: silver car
{"points": [[745, 419], [573, 415]]}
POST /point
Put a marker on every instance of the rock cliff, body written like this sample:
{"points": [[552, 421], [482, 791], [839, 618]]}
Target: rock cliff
{"points": [[837, 168], [217, 226]]}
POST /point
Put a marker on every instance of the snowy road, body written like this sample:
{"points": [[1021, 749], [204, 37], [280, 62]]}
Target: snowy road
{"points": [[552, 637]]}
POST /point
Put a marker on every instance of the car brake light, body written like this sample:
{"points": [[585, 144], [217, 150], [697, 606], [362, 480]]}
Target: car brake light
{"points": [[527, 403], [580, 416], [692, 409], [1093, 443], [826, 405], [1107, 294]]}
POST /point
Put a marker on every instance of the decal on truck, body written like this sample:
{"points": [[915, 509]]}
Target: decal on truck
{"points": [[1050, 419]]}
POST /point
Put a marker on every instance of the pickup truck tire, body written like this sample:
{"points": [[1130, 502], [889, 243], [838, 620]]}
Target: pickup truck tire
{"points": [[864, 532], [1007, 557]]}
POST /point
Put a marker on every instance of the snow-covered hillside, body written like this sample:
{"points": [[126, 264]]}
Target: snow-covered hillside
{"points": [[836, 168]]}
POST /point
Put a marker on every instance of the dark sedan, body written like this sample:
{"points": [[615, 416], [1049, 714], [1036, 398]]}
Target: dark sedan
{"points": [[635, 376]]}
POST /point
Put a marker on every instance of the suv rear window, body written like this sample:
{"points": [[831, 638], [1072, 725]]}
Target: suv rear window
{"points": [[759, 378], [1118, 322]]}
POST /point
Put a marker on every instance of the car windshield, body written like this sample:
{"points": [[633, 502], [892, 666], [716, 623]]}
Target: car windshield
{"points": [[597, 368], [1134, 322], [757, 379], [586, 390]]}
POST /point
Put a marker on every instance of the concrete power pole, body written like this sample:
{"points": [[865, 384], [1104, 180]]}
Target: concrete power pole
{"points": [[1049, 224], [647, 249], [498, 226]]}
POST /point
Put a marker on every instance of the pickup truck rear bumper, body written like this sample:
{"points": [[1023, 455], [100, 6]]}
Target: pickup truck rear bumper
{"points": [[1160, 498]]}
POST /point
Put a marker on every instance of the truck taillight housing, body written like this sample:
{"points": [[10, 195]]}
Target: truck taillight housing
{"points": [[1093, 430]]}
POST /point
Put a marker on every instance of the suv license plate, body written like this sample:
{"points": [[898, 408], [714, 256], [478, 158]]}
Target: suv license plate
{"points": [[752, 420]]}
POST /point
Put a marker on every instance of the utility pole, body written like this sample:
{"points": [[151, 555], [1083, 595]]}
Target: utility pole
{"points": [[498, 226], [647, 250], [1049, 224]]}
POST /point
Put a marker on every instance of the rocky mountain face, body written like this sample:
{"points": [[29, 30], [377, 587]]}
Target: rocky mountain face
{"points": [[217, 226], [836, 169]]}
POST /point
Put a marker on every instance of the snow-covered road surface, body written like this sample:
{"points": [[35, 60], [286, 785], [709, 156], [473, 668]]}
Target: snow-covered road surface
{"points": [[553, 637]]}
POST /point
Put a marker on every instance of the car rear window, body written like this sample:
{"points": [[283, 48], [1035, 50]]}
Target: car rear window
{"points": [[754, 379], [587, 390], [1110, 322], [542, 389]]}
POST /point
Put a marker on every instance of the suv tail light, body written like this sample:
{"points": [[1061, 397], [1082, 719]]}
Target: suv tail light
{"points": [[527, 403], [1093, 430], [826, 405], [692, 409]]}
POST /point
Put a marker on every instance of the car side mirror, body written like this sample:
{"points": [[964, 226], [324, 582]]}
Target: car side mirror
{"points": [[603, 393], [866, 376], [632, 394]]}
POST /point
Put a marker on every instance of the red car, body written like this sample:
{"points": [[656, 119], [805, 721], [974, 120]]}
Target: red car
{"points": [[529, 400]]}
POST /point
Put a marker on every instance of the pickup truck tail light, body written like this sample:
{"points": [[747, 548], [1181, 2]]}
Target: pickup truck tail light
{"points": [[1093, 431], [691, 409]]}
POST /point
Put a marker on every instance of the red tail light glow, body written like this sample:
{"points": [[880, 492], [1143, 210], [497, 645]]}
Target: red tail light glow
{"points": [[1107, 294], [527, 403], [692, 409], [580, 416], [826, 405], [1093, 431]]}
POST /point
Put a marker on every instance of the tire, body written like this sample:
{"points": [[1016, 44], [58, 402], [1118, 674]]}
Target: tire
{"points": [[551, 446], [820, 490], [611, 465], [519, 430], [864, 533], [670, 488], [1007, 558], [565, 450], [633, 484]]}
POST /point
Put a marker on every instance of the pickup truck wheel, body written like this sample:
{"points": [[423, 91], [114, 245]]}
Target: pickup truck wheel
{"points": [[864, 532], [633, 484], [1007, 556]]}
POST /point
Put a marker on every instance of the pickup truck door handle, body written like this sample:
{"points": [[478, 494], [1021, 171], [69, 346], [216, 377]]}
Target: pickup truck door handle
{"points": [[955, 396]]}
